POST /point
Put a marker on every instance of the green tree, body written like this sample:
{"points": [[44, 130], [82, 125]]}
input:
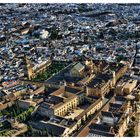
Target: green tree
{"points": [[131, 134], [133, 118]]}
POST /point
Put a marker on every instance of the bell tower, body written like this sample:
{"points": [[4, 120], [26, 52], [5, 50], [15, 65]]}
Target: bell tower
{"points": [[29, 68]]}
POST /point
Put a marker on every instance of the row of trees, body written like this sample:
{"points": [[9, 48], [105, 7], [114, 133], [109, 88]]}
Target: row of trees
{"points": [[54, 68], [12, 111], [38, 133], [6, 133], [131, 129], [25, 115]]}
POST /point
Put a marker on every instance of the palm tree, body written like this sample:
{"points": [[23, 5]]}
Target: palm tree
{"points": [[51, 134], [14, 113], [47, 133], [30, 130]]}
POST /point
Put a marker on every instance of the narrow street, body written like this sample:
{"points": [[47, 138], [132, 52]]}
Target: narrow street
{"points": [[137, 127]]}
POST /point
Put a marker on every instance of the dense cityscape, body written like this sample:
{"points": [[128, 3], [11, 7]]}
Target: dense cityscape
{"points": [[69, 70]]}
